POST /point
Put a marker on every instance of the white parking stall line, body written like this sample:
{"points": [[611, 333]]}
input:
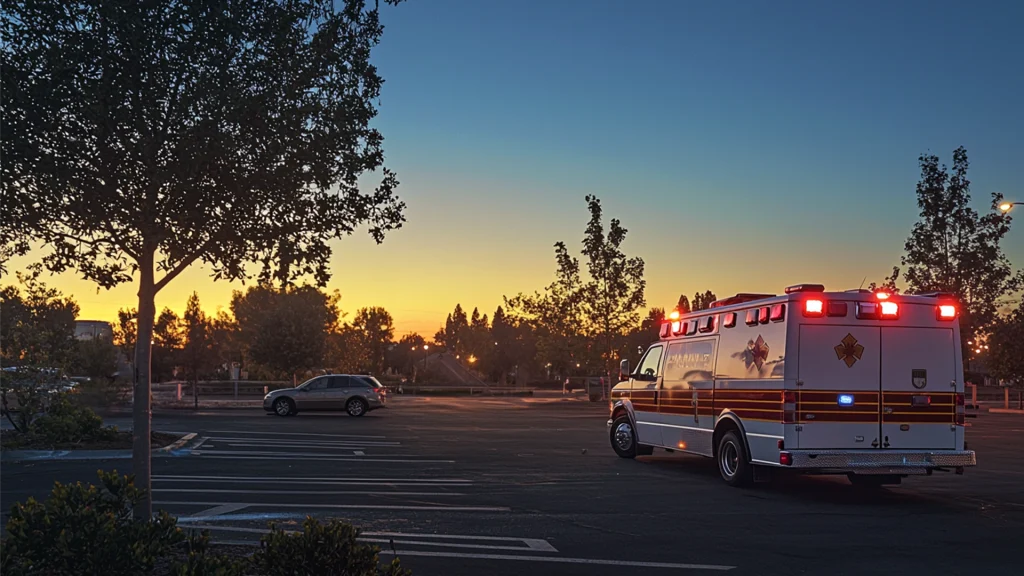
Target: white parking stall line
{"points": [[260, 433], [301, 492], [202, 440], [312, 480], [220, 510], [559, 559], [359, 453], [339, 448], [412, 540], [299, 442], [325, 457], [532, 543], [424, 507]]}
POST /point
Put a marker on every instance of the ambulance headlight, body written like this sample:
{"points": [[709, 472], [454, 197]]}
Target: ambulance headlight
{"points": [[846, 399]]}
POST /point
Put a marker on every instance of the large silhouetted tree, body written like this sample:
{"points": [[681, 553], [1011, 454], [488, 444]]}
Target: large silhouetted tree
{"points": [[375, 328], [952, 248], [616, 288], [140, 137]]}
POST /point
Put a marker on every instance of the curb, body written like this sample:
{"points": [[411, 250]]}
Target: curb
{"points": [[171, 450], [1005, 411]]}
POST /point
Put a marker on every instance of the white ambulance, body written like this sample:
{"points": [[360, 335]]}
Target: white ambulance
{"points": [[858, 383]]}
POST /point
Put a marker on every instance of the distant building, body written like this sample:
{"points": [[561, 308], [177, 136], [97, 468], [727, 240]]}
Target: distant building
{"points": [[89, 329]]}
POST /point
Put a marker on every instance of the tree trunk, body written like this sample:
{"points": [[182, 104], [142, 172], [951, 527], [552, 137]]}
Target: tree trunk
{"points": [[141, 409]]}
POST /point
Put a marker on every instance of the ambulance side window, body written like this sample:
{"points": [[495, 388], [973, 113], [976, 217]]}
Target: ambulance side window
{"points": [[650, 365]]}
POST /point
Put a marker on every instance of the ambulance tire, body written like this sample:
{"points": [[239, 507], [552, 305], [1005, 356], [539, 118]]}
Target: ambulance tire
{"points": [[733, 463], [623, 438]]}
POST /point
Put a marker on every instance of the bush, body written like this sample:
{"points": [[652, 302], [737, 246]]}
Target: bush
{"points": [[86, 530], [66, 422], [200, 562], [327, 549]]}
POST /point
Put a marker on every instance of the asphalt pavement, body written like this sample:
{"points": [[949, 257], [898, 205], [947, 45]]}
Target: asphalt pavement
{"points": [[508, 486]]}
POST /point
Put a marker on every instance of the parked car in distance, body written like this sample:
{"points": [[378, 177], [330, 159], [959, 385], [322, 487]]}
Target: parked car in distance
{"points": [[355, 394]]}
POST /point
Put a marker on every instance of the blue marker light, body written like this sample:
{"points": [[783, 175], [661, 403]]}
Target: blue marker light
{"points": [[846, 399]]}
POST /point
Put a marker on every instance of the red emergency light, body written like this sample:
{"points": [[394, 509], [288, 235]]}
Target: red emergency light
{"points": [[945, 311], [814, 308], [890, 310]]}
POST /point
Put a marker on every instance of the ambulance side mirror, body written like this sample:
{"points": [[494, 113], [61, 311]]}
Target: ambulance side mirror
{"points": [[623, 369]]}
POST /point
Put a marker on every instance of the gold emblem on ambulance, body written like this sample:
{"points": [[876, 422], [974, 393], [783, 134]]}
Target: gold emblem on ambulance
{"points": [[849, 350], [759, 352]]}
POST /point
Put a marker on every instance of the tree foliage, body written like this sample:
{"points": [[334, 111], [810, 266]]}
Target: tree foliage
{"points": [[37, 324], [198, 354], [375, 328], [1006, 347], [140, 137], [952, 248], [616, 288], [285, 329], [703, 301]]}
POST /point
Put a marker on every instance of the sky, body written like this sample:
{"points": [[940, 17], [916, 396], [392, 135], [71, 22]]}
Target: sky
{"points": [[745, 145]]}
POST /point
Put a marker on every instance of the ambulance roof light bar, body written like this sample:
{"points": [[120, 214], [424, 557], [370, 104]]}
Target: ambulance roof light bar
{"points": [[805, 288]]}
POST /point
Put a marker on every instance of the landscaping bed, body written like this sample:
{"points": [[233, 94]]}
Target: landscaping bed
{"points": [[114, 440]]}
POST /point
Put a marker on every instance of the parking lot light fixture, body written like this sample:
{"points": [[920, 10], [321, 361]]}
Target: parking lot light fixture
{"points": [[1007, 206]]}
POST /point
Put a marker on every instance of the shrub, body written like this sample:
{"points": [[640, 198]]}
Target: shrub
{"points": [[86, 530], [66, 422], [328, 549], [200, 562]]}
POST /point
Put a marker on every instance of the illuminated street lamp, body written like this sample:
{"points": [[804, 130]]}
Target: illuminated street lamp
{"points": [[1007, 206]]}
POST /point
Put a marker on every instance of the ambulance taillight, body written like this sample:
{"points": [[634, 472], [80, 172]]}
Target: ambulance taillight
{"points": [[945, 311], [890, 310], [814, 308], [960, 409]]}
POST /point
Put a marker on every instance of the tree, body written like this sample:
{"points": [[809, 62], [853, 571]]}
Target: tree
{"points": [[125, 333], [198, 355], [703, 301], [556, 315], [140, 137], [683, 306], [616, 287], [37, 324], [1006, 347], [455, 330], [375, 328], [285, 330], [168, 340], [952, 248], [888, 284]]}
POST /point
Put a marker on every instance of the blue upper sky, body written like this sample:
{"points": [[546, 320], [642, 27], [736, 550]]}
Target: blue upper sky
{"points": [[746, 145]]}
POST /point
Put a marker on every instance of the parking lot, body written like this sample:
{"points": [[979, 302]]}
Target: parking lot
{"points": [[506, 486]]}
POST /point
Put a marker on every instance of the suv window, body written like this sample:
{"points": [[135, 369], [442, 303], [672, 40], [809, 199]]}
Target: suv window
{"points": [[360, 382], [318, 384], [337, 382]]}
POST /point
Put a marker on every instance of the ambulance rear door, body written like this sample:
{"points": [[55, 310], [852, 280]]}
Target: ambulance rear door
{"points": [[918, 388], [838, 388]]}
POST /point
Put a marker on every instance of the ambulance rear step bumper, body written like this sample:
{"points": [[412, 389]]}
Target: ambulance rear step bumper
{"points": [[875, 460]]}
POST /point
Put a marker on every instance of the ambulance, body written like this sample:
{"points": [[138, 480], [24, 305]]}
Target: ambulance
{"points": [[867, 384]]}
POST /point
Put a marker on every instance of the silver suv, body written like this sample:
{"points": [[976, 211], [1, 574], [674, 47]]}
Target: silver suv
{"points": [[355, 394]]}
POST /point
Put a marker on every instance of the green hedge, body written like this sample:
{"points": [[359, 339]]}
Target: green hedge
{"points": [[87, 530]]}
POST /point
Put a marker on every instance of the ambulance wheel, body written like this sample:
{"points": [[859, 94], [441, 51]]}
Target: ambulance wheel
{"points": [[733, 464], [623, 438]]}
